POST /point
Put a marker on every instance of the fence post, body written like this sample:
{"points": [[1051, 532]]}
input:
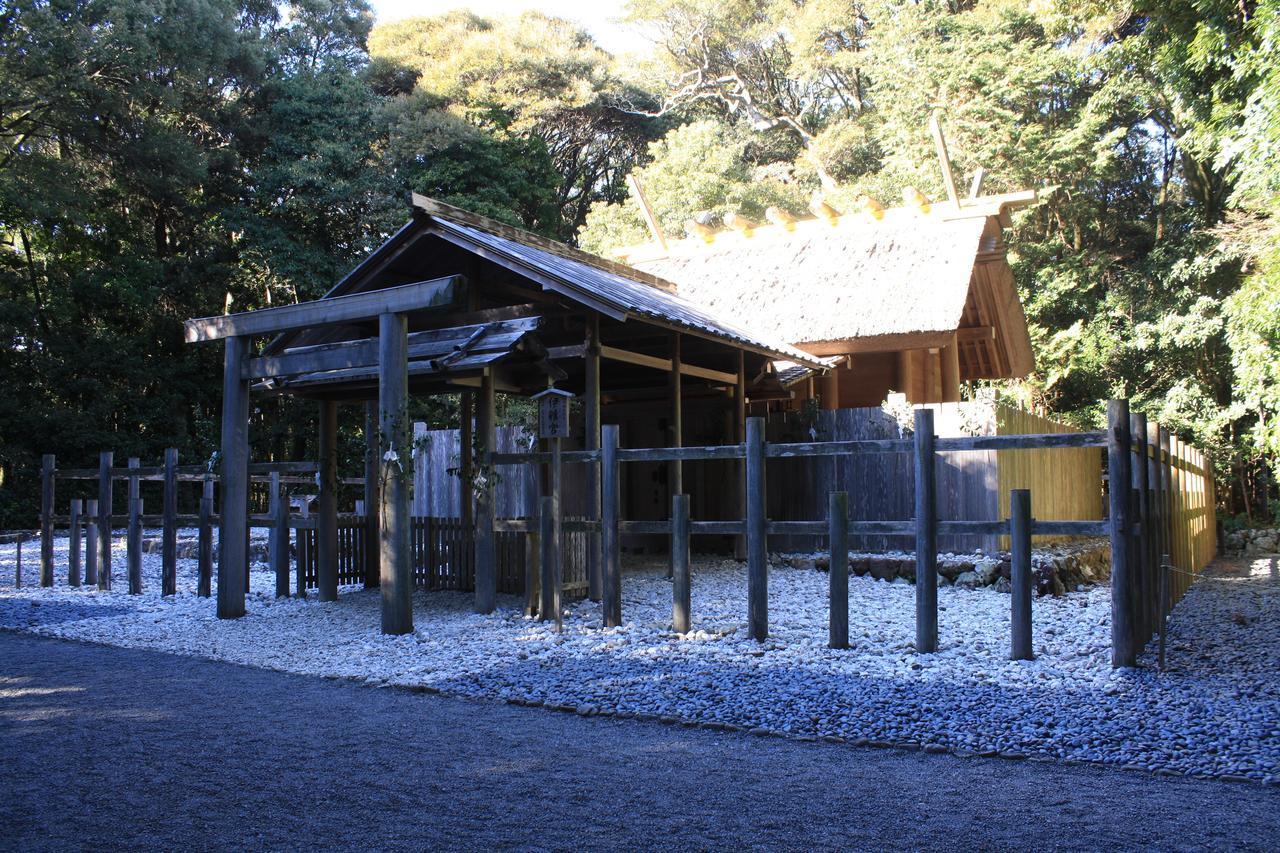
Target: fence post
{"points": [[610, 553], [1119, 476], [204, 556], [926, 535], [680, 580], [104, 519], [547, 533], [17, 566], [1164, 604], [279, 539], [133, 546], [169, 525], [1146, 580], [1020, 553], [757, 534], [91, 551], [532, 570], [372, 501], [838, 570], [73, 547], [47, 468]]}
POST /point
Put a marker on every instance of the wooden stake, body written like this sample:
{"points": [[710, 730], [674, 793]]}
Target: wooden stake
{"points": [[926, 504], [204, 545], [169, 531], [757, 533], [1020, 524], [592, 442], [1119, 445], [104, 519], [327, 522], [1164, 604], [838, 570], [278, 544], [680, 568], [73, 553], [47, 467], [610, 513], [91, 543], [486, 564], [133, 546], [372, 499]]}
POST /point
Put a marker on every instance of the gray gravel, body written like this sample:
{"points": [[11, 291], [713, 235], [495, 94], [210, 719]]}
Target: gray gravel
{"points": [[116, 748]]}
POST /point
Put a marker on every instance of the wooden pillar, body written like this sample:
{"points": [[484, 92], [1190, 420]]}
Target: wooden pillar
{"points": [[1020, 573], [546, 538], [233, 522], [133, 539], [676, 476], [926, 534], [950, 356], [740, 436], [610, 567], [393, 539], [681, 586], [169, 525], [486, 563], [466, 448], [91, 542], [47, 467], [1166, 479], [838, 570], [1119, 446], [550, 529], [757, 533], [831, 389], [372, 502], [278, 540], [73, 550], [204, 545], [104, 519], [133, 546], [592, 442], [906, 375], [327, 523]]}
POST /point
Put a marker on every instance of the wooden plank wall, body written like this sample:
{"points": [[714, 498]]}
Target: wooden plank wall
{"points": [[1065, 483], [881, 486], [1192, 516]]}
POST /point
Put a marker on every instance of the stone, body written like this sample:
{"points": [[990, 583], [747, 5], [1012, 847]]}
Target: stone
{"points": [[969, 580]]}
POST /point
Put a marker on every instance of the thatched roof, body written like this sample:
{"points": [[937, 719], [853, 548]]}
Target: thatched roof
{"points": [[905, 274]]}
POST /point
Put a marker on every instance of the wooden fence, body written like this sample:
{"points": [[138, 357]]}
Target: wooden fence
{"points": [[1167, 507]]}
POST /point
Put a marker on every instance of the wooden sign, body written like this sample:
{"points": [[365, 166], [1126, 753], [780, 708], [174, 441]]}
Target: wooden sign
{"points": [[553, 413]]}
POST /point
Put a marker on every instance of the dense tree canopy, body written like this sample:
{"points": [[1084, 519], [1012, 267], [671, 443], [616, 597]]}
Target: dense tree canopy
{"points": [[161, 160]]}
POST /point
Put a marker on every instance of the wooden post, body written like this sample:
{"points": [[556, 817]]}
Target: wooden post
{"points": [[104, 519], [1164, 604], [73, 550], [926, 534], [610, 512], [1156, 467], [552, 552], [279, 537], [17, 565], [677, 416], [304, 549], [372, 455], [533, 571], [838, 570], [133, 546], [48, 465], [1020, 554], [546, 534], [681, 591], [757, 534], [233, 522], [327, 527], [169, 532], [592, 442], [393, 539], [950, 356], [91, 530], [1146, 574], [204, 543], [486, 562], [1119, 476], [740, 436]]}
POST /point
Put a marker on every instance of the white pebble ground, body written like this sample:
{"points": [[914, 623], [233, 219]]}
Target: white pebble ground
{"points": [[1215, 712]]}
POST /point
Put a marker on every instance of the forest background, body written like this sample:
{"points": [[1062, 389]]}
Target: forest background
{"points": [[165, 159]]}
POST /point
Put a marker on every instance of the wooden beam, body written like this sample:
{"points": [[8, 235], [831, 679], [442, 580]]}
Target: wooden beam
{"points": [[878, 343], [664, 364], [940, 144], [646, 210], [975, 334], [435, 293]]}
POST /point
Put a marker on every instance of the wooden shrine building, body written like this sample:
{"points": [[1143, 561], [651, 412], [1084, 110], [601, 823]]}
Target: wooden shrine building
{"points": [[914, 299], [454, 302]]}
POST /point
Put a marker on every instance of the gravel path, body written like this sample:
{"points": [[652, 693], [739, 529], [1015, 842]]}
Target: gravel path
{"points": [[1216, 712], [122, 749]]}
